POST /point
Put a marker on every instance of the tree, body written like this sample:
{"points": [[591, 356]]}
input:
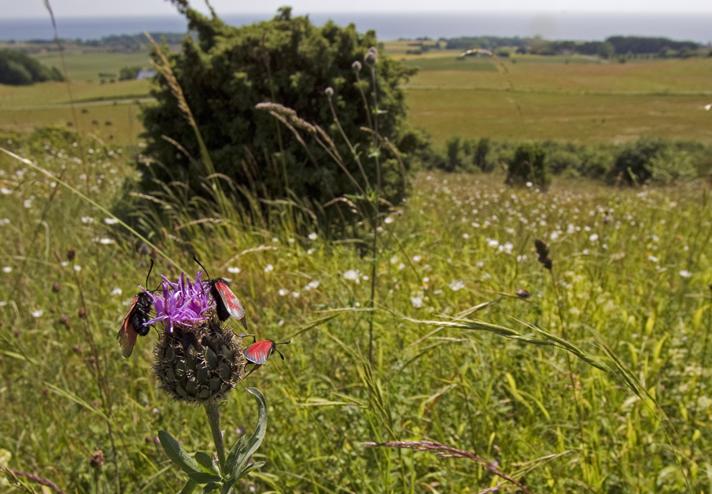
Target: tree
{"points": [[225, 71]]}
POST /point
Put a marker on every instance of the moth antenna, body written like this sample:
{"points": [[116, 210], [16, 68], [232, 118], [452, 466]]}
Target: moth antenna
{"points": [[203, 267], [148, 275], [287, 342], [279, 353]]}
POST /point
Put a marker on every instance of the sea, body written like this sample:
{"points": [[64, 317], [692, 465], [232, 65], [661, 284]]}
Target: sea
{"points": [[401, 25]]}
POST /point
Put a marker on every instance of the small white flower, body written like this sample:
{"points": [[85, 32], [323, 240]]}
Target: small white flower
{"points": [[310, 251], [77, 268], [554, 235], [529, 184], [4, 221], [685, 273], [296, 294], [352, 275], [116, 292], [233, 270], [593, 237], [5, 191], [111, 221], [466, 236], [282, 292], [64, 264], [7, 269], [312, 285], [269, 268], [87, 220], [492, 243], [585, 252], [653, 259], [456, 285], [388, 220], [416, 301], [106, 241], [417, 258], [313, 236], [37, 313], [27, 203]]}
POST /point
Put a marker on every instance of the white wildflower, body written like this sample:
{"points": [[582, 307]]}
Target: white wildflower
{"points": [[456, 285]]}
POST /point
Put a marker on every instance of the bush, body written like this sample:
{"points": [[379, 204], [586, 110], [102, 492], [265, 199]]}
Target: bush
{"points": [[481, 155], [225, 71], [454, 154], [528, 165], [129, 73], [18, 68]]}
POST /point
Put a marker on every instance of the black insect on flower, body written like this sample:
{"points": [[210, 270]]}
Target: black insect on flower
{"points": [[226, 303], [136, 321]]}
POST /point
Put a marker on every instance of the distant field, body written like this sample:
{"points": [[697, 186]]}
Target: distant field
{"points": [[588, 100], [87, 65], [526, 97], [107, 111]]}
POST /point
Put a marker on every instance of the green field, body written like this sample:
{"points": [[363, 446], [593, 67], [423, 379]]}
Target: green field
{"points": [[598, 381], [574, 98]]}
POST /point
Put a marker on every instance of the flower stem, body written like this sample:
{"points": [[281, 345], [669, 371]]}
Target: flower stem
{"points": [[211, 409]]}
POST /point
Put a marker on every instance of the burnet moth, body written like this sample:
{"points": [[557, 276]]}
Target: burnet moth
{"points": [[260, 351], [226, 303], [134, 322]]}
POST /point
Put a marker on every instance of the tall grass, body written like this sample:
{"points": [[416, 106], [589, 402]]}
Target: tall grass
{"points": [[451, 262]]}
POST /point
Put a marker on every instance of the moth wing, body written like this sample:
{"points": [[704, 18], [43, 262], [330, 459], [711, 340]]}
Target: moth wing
{"points": [[259, 352], [229, 300], [128, 334]]}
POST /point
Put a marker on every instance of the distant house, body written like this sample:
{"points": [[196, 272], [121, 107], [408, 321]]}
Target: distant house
{"points": [[145, 74], [476, 52]]}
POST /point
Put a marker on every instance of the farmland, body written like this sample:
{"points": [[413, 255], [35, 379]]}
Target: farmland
{"points": [[525, 97]]}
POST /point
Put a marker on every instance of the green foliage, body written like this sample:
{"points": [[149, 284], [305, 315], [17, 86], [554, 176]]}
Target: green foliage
{"points": [[202, 469], [227, 71], [454, 152], [437, 376], [129, 73], [481, 155], [528, 165], [19, 69], [659, 161]]}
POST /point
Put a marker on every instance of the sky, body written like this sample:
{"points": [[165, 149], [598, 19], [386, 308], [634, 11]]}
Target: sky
{"points": [[93, 8]]}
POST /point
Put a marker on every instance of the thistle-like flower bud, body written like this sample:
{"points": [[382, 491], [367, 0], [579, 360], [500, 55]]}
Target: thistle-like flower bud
{"points": [[199, 364], [329, 92], [356, 66], [196, 360], [371, 56]]}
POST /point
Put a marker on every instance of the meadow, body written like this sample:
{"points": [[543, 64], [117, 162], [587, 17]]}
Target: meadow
{"points": [[591, 377], [573, 98]]}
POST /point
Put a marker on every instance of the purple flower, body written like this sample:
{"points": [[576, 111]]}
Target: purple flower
{"points": [[182, 303]]}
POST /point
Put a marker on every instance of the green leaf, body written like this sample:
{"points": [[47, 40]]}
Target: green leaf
{"points": [[189, 487], [232, 455], [181, 459], [211, 487], [205, 460], [227, 485], [253, 443]]}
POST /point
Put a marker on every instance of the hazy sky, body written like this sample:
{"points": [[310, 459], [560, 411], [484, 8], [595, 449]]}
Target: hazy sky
{"points": [[73, 8]]}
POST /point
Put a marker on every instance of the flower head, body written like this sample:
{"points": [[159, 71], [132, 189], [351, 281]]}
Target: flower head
{"points": [[183, 303]]}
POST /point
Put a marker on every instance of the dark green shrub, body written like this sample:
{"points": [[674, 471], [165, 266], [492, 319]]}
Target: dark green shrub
{"points": [[225, 71], [18, 68], [454, 154], [528, 165], [481, 155]]}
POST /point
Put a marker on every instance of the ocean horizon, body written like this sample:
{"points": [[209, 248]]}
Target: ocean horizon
{"points": [[391, 26]]}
